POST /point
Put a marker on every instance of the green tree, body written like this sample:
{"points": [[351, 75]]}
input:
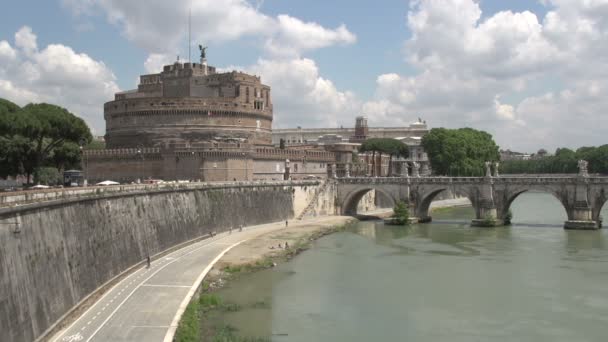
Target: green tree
{"points": [[65, 156], [459, 152], [96, 145], [565, 160], [401, 213], [37, 134], [392, 147], [47, 127]]}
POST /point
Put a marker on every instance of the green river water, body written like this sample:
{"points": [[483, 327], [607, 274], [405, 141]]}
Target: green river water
{"points": [[443, 281]]}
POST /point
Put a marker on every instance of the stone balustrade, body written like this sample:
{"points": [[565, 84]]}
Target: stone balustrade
{"points": [[20, 198]]}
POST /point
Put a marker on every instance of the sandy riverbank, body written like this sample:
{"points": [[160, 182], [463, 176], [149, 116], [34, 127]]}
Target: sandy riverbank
{"points": [[296, 234]]}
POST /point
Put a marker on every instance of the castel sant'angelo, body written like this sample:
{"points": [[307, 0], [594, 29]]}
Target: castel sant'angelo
{"points": [[190, 122]]}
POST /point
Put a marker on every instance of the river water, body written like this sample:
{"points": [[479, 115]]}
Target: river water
{"points": [[443, 281]]}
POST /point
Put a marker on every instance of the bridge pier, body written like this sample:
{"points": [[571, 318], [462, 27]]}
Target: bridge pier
{"points": [[581, 213], [487, 216], [582, 218]]}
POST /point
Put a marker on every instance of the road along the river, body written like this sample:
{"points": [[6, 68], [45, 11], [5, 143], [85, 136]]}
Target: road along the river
{"points": [[147, 304]]}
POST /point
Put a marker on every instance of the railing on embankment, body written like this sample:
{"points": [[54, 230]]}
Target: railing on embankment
{"points": [[20, 198]]}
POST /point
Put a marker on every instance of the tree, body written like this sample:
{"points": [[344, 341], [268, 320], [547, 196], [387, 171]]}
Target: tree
{"points": [[47, 127], [565, 160], [459, 152], [401, 213], [37, 134], [392, 147], [65, 156]]}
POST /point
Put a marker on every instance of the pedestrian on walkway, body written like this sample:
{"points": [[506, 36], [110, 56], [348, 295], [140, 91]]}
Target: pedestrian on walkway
{"points": [[286, 245], [286, 223], [240, 228], [148, 261]]}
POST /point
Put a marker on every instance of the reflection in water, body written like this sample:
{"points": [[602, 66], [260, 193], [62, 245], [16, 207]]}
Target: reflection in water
{"points": [[436, 282]]}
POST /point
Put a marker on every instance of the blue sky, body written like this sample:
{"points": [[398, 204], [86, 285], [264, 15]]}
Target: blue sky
{"points": [[495, 65]]}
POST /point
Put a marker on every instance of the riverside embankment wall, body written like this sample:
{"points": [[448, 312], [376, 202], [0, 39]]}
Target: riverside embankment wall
{"points": [[55, 253]]}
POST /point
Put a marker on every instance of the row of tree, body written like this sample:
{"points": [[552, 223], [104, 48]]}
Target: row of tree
{"points": [[459, 152], [38, 136], [564, 161], [387, 146]]}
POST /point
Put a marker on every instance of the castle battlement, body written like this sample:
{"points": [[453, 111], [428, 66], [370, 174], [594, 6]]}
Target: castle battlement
{"points": [[279, 154]]}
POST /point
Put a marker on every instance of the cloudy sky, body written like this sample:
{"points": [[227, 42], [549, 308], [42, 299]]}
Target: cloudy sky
{"points": [[534, 73]]}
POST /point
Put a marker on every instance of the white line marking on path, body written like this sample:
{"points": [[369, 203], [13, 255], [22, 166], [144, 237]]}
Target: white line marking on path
{"points": [[138, 286], [137, 272], [161, 285], [197, 283]]}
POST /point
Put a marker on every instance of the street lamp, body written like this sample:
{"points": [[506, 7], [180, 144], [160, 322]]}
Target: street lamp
{"points": [[140, 153], [83, 160]]}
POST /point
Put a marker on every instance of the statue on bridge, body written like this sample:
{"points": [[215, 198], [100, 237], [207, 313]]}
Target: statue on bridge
{"points": [[496, 165], [582, 168], [488, 169], [416, 170]]}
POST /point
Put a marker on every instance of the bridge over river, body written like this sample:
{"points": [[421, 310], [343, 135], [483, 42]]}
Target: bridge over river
{"points": [[491, 196]]}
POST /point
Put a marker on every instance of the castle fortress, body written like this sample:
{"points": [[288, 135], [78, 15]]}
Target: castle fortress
{"points": [[190, 122]]}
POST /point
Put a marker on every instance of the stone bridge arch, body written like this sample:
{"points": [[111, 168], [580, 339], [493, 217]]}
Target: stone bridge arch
{"points": [[423, 195], [598, 197], [352, 200], [350, 194], [505, 196]]}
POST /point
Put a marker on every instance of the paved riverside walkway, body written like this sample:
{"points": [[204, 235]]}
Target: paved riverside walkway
{"points": [[144, 305]]}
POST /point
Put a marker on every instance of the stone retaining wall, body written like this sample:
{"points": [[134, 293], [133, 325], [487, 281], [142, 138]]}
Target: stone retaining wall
{"points": [[64, 249]]}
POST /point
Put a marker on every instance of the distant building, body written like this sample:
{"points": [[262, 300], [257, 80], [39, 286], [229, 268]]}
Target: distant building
{"points": [[294, 136], [511, 155], [345, 140]]}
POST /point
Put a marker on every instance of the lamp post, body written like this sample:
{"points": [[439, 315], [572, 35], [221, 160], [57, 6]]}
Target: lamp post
{"points": [[140, 153], [84, 161], [193, 163]]}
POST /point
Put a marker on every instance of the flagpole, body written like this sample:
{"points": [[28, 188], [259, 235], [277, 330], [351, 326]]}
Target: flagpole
{"points": [[190, 33]]}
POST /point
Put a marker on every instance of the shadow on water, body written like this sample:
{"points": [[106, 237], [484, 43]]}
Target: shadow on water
{"points": [[454, 238], [515, 224]]}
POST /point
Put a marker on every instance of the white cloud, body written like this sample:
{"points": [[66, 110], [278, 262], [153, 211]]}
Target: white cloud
{"points": [[56, 74], [301, 96], [160, 26], [504, 111], [26, 40], [7, 53], [293, 36], [155, 62], [554, 71]]}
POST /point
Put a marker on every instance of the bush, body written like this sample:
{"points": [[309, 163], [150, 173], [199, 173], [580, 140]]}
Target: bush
{"points": [[488, 221], [508, 218], [401, 213], [49, 176]]}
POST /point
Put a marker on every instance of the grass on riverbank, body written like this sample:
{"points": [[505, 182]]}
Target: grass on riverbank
{"points": [[201, 319]]}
